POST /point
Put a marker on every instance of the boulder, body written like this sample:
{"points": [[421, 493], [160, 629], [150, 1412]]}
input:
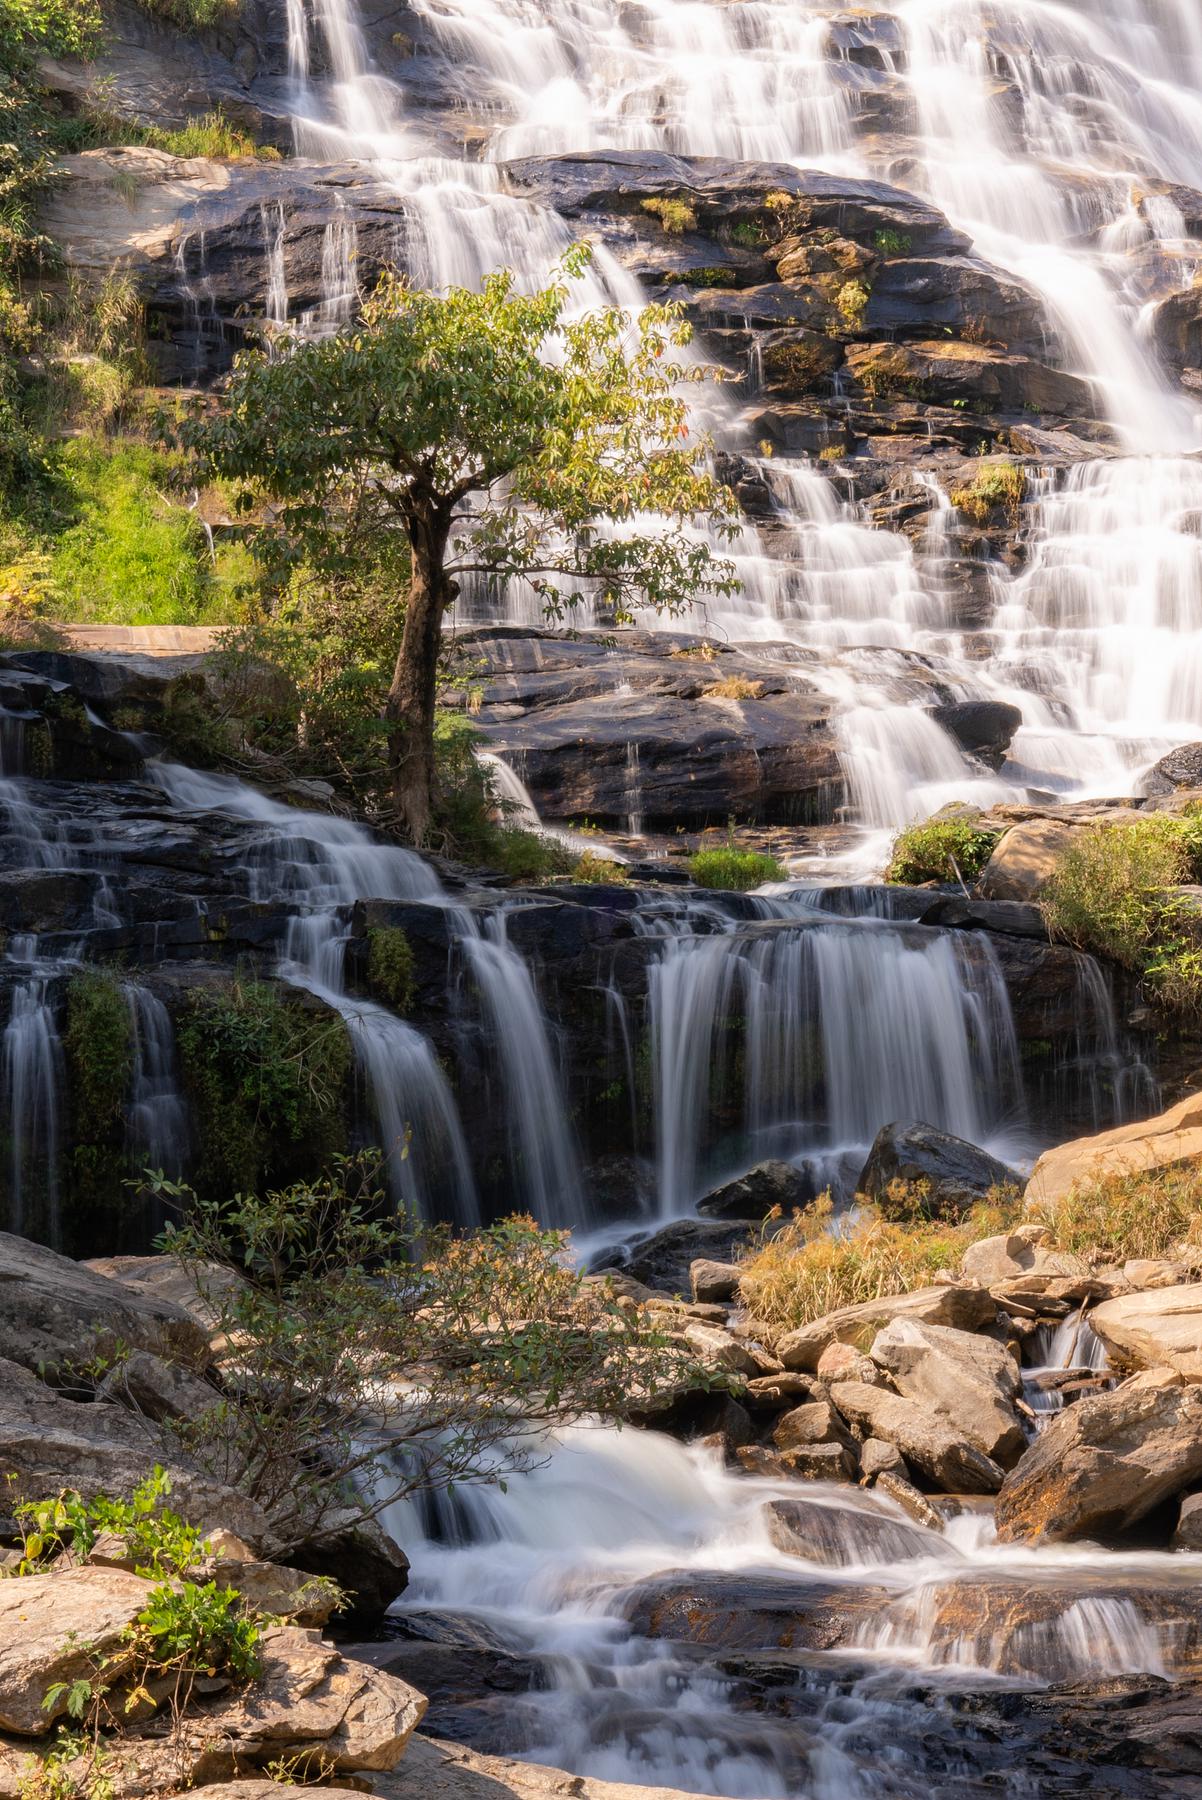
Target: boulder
{"points": [[971, 1382], [1181, 768], [713, 1281], [717, 1349], [964, 1308], [48, 1443], [941, 1452], [1159, 1328], [743, 1610], [1171, 1138], [442, 1771], [1188, 1532], [51, 1628], [162, 1278], [842, 1536], [1025, 860], [831, 1461], [773, 1393], [663, 1261], [956, 1173], [982, 727], [753, 1196], [160, 1390], [911, 1500], [1021, 1264], [815, 1422], [55, 1312], [1101, 1465], [879, 1458], [843, 1362], [357, 1554]]}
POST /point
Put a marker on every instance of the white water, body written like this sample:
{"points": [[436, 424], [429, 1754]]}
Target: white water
{"points": [[543, 1568]]}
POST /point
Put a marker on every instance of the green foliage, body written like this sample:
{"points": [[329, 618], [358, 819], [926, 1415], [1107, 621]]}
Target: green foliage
{"points": [[1116, 1217], [343, 1315], [528, 855], [892, 243], [749, 233], [266, 1076], [211, 135], [599, 871], [997, 487], [852, 303], [191, 1630], [939, 850], [160, 1544], [735, 870], [193, 15], [98, 1041], [390, 966], [1110, 894]]}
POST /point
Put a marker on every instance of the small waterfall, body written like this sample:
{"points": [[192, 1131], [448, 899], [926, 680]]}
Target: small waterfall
{"points": [[339, 277], [156, 1122], [275, 227], [33, 1084], [847, 1026], [544, 1154]]}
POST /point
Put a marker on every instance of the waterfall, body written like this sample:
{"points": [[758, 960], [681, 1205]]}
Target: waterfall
{"points": [[846, 1027], [156, 1121], [33, 1084]]}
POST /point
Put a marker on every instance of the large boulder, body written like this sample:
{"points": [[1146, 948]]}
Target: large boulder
{"points": [[942, 1452], [51, 1628], [1101, 1465], [948, 370], [55, 1312], [754, 1195], [1159, 1328], [1025, 859], [956, 1173], [1171, 1138], [982, 727], [964, 1308], [1181, 768], [663, 1260], [971, 1382]]}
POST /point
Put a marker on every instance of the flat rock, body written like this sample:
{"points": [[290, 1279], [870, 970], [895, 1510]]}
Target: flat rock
{"points": [[1171, 1138], [964, 1308], [1160, 1327], [432, 1770], [1101, 1465]]}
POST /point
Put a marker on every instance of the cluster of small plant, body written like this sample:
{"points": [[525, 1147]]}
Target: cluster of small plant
{"points": [[939, 850]]}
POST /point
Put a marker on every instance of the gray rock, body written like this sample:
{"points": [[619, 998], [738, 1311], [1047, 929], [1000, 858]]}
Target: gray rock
{"points": [[957, 1174], [754, 1195], [964, 1308], [972, 1382], [843, 1535], [940, 1451]]}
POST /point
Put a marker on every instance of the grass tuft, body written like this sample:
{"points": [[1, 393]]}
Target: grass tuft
{"points": [[735, 870], [939, 850]]}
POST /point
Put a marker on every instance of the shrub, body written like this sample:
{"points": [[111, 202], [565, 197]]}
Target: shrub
{"points": [[817, 1263], [341, 1316], [390, 966], [1147, 1213], [211, 135], [939, 850], [267, 1077], [852, 303], [528, 855], [676, 216], [892, 243], [735, 870], [996, 487], [160, 1544], [193, 15], [599, 870], [1109, 895], [734, 687]]}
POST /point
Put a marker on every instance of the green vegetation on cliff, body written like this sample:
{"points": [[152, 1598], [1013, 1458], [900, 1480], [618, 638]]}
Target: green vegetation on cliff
{"points": [[939, 850], [1113, 893], [735, 870]]}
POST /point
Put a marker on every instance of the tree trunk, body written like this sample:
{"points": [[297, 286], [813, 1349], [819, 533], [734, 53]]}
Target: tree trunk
{"points": [[410, 708]]}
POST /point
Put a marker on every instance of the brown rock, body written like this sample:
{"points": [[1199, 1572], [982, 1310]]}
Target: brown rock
{"points": [[51, 1628], [1171, 1138], [904, 1494], [971, 1382], [965, 1308], [813, 1423], [772, 1393], [1160, 1328], [841, 1536], [924, 1437], [1025, 860], [1099, 1466], [879, 1458], [843, 1362], [713, 1280], [1188, 1532], [820, 1462]]}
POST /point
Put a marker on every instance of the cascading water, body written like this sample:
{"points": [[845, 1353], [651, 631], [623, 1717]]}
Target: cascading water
{"points": [[157, 1129]]}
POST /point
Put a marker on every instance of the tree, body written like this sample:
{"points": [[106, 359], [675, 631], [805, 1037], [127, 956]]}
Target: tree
{"points": [[503, 439], [367, 1363]]}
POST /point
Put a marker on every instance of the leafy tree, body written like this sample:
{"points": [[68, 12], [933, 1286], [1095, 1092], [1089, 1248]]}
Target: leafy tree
{"points": [[498, 437], [371, 1363]]}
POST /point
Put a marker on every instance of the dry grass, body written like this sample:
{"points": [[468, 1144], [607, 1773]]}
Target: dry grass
{"points": [[734, 687], [1152, 1213], [817, 1263]]}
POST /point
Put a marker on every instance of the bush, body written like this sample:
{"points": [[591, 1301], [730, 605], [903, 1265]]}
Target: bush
{"points": [[817, 1263], [160, 1545], [1149, 1213], [735, 870], [599, 871], [1108, 895], [193, 15], [996, 487], [267, 1077], [939, 850], [676, 216], [734, 687], [98, 1042], [444, 1345], [211, 135]]}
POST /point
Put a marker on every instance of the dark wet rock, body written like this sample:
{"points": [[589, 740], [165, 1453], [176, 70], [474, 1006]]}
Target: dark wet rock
{"points": [[663, 1260], [956, 1174], [754, 1195], [749, 1612], [1177, 330], [949, 370], [1013, 916], [982, 727]]}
